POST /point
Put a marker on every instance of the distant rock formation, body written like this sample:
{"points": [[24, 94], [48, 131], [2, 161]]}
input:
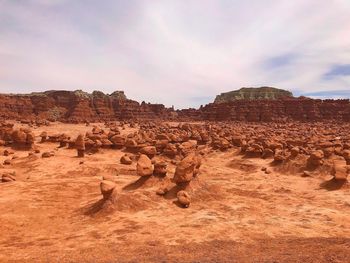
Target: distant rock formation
{"points": [[266, 104], [78, 106], [300, 109], [264, 93]]}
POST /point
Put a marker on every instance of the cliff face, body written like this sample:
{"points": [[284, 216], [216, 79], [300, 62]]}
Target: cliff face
{"points": [[266, 93], [79, 106], [301, 109]]}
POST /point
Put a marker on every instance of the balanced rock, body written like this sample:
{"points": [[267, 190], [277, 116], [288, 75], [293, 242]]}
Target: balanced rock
{"points": [[107, 188]]}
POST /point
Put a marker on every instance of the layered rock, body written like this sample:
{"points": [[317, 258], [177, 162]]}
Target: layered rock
{"points": [[301, 109], [266, 93], [266, 104]]}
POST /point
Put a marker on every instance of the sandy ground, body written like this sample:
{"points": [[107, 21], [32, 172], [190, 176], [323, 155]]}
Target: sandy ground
{"points": [[238, 213]]}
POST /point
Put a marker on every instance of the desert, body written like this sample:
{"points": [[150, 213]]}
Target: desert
{"points": [[174, 131], [205, 190]]}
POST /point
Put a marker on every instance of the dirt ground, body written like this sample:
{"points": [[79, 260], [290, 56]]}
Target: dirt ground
{"points": [[238, 213]]}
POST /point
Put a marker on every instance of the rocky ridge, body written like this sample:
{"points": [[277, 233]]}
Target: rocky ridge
{"points": [[79, 106], [266, 93]]}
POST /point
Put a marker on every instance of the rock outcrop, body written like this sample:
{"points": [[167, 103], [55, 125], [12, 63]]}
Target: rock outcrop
{"points": [[253, 105], [266, 93]]}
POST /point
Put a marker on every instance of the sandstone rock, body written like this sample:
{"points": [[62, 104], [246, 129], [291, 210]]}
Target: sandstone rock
{"points": [[184, 198], [170, 150], [279, 156], [295, 152], [339, 170], [107, 188], [47, 155], [144, 166], [125, 159], [186, 169], [306, 174], [160, 168], [346, 155], [150, 151], [316, 158], [8, 177], [80, 145], [188, 147], [163, 189]]}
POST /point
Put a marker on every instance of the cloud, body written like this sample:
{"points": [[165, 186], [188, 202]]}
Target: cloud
{"points": [[335, 94], [338, 70], [279, 61], [174, 52]]}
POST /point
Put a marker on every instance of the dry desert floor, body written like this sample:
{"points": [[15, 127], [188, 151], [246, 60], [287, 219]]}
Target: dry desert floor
{"points": [[238, 213]]}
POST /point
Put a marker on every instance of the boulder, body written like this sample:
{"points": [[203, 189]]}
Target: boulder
{"points": [[144, 166], [125, 159], [184, 198], [186, 169], [107, 188], [316, 158]]}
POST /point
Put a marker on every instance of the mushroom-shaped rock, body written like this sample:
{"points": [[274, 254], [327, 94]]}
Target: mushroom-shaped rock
{"points": [[185, 169], [130, 143], [339, 170], [316, 158], [188, 147], [80, 145], [279, 156], [294, 151], [107, 188], [160, 168], [43, 136], [30, 139], [125, 159], [184, 198], [150, 151], [19, 137], [144, 166], [170, 150], [118, 141]]}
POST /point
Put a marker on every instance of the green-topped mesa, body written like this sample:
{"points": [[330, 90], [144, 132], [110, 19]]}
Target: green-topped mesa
{"points": [[262, 93]]}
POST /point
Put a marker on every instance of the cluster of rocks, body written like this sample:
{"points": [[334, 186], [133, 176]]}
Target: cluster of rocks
{"points": [[310, 145], [22, 138]]}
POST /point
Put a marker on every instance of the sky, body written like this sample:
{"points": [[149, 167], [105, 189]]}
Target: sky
{"points": [[175, 52]]}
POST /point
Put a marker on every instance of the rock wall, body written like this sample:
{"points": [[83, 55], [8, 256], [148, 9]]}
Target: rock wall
{"points": [[301, 109], [262, 93], [78, 106]]}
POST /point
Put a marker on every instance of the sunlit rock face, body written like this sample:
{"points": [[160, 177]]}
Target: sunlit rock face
{"points": [[265, 93]]}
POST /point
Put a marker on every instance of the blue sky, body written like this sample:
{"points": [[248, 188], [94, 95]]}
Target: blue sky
{"points": [[175, 52]]}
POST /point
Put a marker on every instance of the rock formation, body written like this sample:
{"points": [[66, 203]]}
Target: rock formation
{"points": [[265, 93], [247, 104]]}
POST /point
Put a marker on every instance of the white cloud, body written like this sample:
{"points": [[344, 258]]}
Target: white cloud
{"points": [[172, 51]]}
